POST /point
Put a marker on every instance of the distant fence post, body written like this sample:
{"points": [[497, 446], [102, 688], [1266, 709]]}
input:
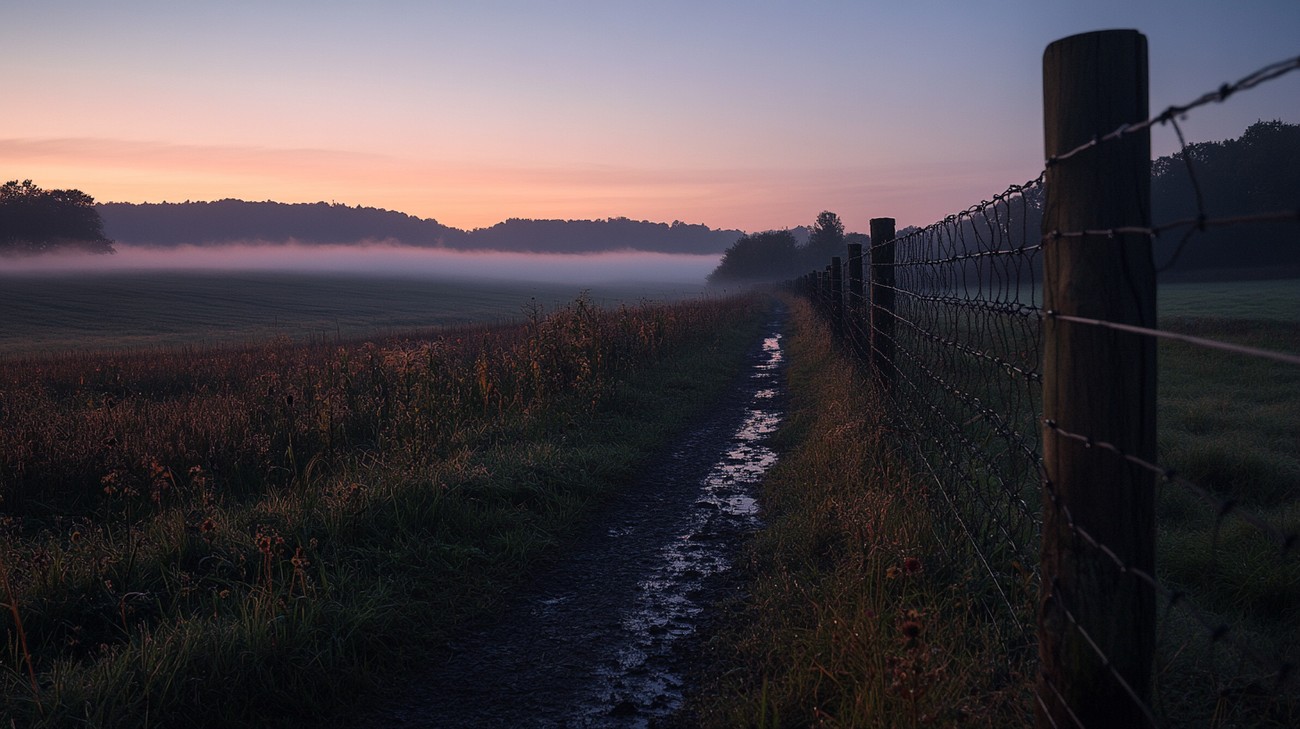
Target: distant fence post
{"points": [[1097, 383], [837, 297], [826, 291], [882, 300], [853, 314]]}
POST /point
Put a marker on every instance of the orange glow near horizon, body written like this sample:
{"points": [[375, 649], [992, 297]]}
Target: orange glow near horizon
{"points": [[722, 113], [462, 194]]}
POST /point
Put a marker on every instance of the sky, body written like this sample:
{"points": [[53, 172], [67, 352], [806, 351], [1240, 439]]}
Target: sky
{"points": [[735, 114]]}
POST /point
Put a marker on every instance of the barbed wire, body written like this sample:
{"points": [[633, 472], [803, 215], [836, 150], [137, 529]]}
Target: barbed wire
{"points": [[1216, 629], [967, 304], [1224, 507], [1171, 113], [1187, 338], [965, 288]]}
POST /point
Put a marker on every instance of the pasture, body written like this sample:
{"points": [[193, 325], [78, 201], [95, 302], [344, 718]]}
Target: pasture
{"points": [[1277, 300]]}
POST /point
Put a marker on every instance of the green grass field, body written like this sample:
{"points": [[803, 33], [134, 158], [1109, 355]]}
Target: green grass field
{"points": [[1253, 300], [51, 313], [1230, 424]]}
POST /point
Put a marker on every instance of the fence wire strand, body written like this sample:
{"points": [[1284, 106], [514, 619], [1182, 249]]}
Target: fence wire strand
{"points": [[960, 356]]}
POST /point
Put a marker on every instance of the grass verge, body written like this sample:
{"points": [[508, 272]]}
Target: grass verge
{"points": [[854, 619]]}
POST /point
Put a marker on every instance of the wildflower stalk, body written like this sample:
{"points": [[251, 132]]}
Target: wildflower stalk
{"points": [[18, 625]]}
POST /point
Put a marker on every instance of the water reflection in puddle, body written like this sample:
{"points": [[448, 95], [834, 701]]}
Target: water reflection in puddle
{"points": [[641, 683]]}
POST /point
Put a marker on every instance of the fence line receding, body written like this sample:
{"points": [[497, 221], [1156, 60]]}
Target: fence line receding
{"points": [[1016, 343]]}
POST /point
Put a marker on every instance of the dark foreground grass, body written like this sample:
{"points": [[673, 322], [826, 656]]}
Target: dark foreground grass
{"points": [[854, 618], [258, 537]]}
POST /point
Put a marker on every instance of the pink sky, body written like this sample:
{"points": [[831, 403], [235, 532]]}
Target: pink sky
{"points": [[730, 114]]}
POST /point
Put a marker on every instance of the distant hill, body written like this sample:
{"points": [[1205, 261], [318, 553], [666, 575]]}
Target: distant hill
{"points": [[236, 221]]}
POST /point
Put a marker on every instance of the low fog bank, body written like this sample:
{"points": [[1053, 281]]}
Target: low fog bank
{"points": [[386, 260]]}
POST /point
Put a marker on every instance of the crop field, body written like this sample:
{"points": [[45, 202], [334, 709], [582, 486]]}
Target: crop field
{"points": [[51, 313]]}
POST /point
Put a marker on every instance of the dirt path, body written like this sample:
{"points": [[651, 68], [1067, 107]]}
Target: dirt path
{"points": [[603, 638]]}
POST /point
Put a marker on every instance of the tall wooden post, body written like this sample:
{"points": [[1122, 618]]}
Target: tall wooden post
{"points": [[837, 297], [854, 308], [1098, 383], [882, 300]]}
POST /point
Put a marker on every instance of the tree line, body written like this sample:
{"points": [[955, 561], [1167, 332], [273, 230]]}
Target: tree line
{"points": [[776, 255], [1257, 173], [238, 221], [34, 220]]}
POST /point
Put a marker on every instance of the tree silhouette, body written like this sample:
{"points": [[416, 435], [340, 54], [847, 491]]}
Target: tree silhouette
{"points": [[768, 256], [33, 220], [825, 241]]}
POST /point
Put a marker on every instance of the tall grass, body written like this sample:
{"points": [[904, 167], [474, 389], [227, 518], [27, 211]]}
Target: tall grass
{"points": [[191, 533], [830, 636], [856, 616]]}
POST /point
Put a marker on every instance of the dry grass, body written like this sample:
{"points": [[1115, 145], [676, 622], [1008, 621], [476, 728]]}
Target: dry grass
{"points": [[855, 618]]}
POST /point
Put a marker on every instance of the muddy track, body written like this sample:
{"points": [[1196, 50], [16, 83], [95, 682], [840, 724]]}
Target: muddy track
{"points": [[603, 637]]}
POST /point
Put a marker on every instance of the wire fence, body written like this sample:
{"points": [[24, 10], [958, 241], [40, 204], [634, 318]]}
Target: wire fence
{"points": [[1017, 343]]}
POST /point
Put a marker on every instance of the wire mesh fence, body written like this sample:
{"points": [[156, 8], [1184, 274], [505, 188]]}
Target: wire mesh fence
{"points": [[1155, 576]]}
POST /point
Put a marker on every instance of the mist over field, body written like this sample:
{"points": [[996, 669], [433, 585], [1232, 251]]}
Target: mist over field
{"points": [[385, 259], [146, 297]]}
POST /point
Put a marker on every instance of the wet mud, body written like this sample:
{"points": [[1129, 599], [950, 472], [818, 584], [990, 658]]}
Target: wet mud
{"points": [[604, 636]]}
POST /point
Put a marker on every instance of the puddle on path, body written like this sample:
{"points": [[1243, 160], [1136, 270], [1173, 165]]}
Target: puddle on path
{"points": [[642, 682], [600, 640]]}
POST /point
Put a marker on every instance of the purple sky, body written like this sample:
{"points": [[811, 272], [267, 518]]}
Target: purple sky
{"points": [[751, 115]]}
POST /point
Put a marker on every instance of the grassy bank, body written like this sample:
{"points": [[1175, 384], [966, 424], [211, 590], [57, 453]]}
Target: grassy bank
{"points": [[250, 535], [854, 618]]}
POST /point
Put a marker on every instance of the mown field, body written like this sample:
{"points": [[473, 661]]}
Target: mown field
{"points": [[53, 312], [258, 534]]}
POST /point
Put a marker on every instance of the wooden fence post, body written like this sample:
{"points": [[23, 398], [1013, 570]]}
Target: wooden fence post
{"points": [[837, 297], [853, 312], [882, 300], [1097, 383]]}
